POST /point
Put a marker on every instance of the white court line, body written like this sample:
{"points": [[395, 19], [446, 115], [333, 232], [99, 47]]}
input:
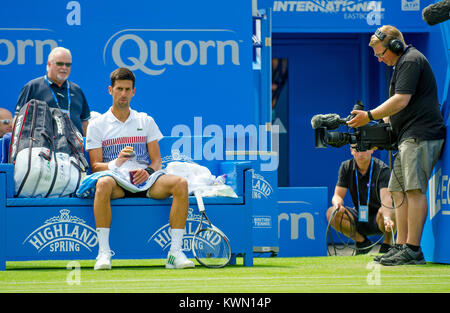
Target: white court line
{"points": [[234, 286], [220, 279]]}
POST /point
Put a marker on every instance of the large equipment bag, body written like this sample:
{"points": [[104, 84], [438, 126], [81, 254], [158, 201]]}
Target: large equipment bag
{"points": [[47, 152]]}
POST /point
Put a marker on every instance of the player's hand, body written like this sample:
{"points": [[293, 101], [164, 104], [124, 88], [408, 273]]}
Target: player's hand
{"points": [[124, 155], [139, 176]]}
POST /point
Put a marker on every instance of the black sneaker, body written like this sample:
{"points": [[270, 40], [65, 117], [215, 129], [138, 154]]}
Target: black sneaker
{"points": [[363, 247], [392, 250], [404, 257], [384, 248]]}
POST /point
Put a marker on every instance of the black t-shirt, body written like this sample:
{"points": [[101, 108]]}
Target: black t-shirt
{"points": [[422, 117], [380, 179]]}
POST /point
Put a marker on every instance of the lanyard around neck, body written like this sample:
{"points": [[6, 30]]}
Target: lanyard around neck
{"points": [[370, 180], [56, 98]]}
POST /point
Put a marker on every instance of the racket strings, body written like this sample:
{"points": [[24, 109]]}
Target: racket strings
{"points": [[210, 245], [211, 248]]}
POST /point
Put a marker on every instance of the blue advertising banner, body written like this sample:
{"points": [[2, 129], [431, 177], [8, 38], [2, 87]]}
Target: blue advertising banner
{"points": [[265, 210], [190, 58], [55, 233], [437, 226], [345, 15], [302, 221]]}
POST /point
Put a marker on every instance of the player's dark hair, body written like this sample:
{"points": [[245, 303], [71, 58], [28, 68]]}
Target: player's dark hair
{"points": [[122, 73]]}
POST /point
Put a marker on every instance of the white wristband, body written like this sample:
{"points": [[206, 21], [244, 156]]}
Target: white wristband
{"points": [[112, 165]]}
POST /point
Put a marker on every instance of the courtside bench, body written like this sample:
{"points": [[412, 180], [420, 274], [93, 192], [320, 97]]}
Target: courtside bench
{"points": [[64, 228]]}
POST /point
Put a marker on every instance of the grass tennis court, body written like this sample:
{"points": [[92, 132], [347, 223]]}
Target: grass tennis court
{"points": [[268, 275]]}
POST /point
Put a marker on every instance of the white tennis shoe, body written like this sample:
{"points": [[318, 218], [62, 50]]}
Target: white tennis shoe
{"points": [[103, 260], [178, 260]]}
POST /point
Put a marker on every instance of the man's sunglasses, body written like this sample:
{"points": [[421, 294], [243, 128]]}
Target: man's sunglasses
{"points": [[62, 63], [5, 122]]}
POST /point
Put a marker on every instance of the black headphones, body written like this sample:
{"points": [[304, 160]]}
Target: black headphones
{"points": [[395, 44]]}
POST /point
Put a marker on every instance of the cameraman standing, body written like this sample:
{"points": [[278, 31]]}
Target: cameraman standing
{"points": [[414, 113], [366, 178]]}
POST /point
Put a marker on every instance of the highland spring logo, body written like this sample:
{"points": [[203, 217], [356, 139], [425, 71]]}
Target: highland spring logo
{"points": [[152, 51], [63, 233], [261, 187], [162, 237]]}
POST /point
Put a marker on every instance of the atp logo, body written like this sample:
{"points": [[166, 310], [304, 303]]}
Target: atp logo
{"points": [[410, 5]]}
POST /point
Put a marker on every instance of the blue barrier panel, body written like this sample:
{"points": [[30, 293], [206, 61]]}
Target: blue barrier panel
{"points": [[302, 221], [265, 211], [437, 226]]}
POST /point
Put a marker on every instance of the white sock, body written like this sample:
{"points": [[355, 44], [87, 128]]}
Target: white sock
{"points": [[177, 239], [103, 239]]}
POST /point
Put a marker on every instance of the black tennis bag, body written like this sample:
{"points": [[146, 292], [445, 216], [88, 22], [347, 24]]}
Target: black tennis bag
{"points": [[47, 152]]}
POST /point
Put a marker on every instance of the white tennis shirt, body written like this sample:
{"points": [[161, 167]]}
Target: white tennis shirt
{"points": [[112, 135]]}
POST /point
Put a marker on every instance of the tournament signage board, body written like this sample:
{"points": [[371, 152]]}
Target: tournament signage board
{"points": [[190, 58], [345, 16], [436, 230]]}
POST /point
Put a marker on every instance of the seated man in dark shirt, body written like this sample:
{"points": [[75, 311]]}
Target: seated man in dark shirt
{"points": [[55, 89], [367, 179], [5, 122]]}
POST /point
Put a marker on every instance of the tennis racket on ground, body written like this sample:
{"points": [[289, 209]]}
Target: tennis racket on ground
{"points": [[210, 245]]}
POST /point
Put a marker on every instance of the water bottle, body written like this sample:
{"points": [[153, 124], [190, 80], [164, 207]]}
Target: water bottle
{"points": [[220, 180]]}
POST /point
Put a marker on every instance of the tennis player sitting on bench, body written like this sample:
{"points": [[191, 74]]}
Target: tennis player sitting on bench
{"points": [[110, 140], [367, 179]]}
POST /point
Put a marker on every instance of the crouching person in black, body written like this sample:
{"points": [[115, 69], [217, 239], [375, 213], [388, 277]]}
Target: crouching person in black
{"points": [[367, 179]]}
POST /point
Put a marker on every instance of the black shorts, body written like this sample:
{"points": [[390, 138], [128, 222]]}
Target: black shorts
{"points": [[140, 194], [365, 228]]}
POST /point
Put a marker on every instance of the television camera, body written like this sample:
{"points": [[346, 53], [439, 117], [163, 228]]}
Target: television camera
{"points": [[374, 134]]}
